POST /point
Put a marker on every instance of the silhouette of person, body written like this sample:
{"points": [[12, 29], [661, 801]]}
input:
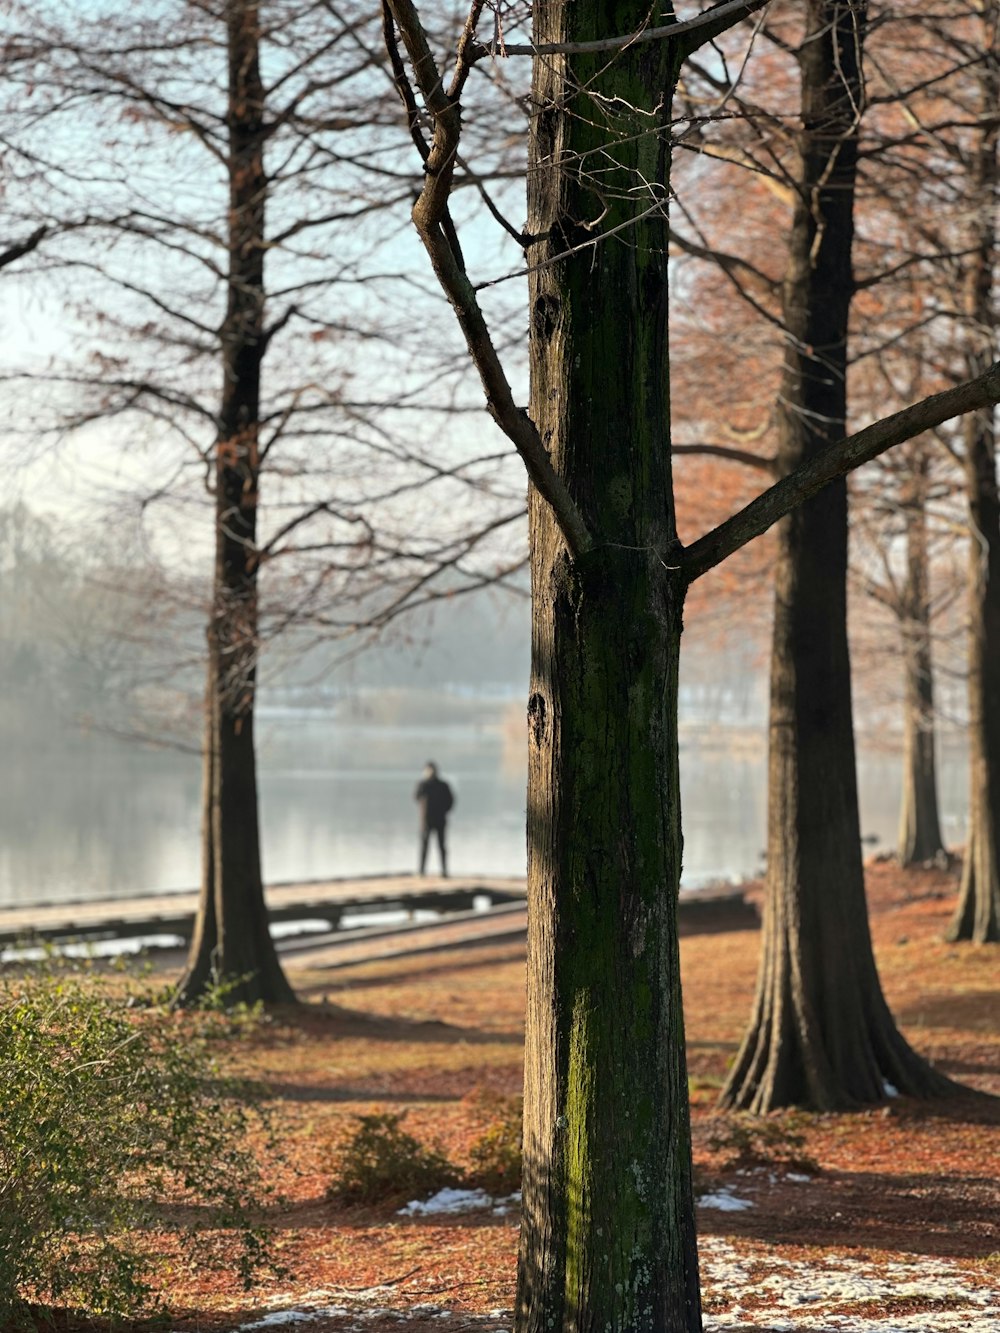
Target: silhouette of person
{"points": [[435, 799]]}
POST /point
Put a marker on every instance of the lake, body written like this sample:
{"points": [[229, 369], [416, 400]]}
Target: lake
{"points": [[94, 817]]}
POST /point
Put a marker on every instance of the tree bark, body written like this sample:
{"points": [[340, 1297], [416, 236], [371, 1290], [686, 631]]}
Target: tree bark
{"points": [[977, 915], [232, 943], [607, 1233], [821, 1034], [919, 823]]}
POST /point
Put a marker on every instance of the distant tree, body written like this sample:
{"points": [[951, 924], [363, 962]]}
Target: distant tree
{"points": [[898, 540], [725, 381], [937, 181], [977, 915], [607, 1236], [920, 837]]}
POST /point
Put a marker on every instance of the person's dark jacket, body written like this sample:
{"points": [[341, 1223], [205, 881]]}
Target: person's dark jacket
{"points": [[435, 800]]}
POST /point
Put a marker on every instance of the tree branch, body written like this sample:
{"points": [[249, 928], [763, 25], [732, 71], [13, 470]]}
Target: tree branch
{"points": [[695, 32], [835, 460], [763, 462], [21, 248], [730, 263], [434, 225]]}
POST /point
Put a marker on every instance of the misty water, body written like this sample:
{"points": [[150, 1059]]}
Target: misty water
{"points": [[87, 817]]}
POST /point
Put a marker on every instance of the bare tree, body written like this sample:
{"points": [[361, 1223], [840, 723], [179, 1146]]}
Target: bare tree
{"points": [[935, 179], [247, 202], [821, 1033], [908, 586], [977, 915]]}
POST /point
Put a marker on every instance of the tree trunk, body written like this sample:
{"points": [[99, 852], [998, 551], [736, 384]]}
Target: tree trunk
{"points": [[919, 824], [977, 916], [821, 1034], [607, 1233], [232, 943], [199, 975]]}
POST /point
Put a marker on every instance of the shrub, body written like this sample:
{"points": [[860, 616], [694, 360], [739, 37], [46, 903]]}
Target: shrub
{"points": [[496, 1154], [382, 1161], [107, 1114], [752, 1141]]}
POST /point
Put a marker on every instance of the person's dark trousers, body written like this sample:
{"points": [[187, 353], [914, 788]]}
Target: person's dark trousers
{"points": [[425, 837]]}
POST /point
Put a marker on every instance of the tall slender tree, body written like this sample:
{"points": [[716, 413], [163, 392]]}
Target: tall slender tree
{"points": [[892, 573], [919, 837], [232, 939], [821, 1033], [977, 915]]}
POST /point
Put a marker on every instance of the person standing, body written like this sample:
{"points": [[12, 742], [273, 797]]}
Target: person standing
{"points": [[435, 799]]}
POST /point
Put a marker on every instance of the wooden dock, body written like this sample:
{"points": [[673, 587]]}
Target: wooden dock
{"points": [[329, 901], [471, 911], [699, 912]]}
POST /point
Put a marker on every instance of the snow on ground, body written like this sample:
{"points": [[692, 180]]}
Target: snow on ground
{"points": [[725, 1201], [747, 1290], [808, 1296], [459, 1201]]}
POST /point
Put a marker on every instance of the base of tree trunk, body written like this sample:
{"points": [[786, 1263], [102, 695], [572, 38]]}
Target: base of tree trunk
{"points": [[977, 913], [197, 989], [775, 1072], [205, 982], [822, 1036], [920, 838]]}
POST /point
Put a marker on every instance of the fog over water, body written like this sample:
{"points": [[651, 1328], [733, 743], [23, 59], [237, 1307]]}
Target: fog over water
{"points": [[88, 817]]}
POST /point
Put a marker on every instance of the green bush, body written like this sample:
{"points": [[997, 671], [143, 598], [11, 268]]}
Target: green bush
{"points": [[382, 1161], [497, 1152], [106, 1115], [747, 1140]]}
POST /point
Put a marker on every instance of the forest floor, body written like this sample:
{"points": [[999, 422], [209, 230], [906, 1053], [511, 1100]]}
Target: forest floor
{"points": [[882, 1221]]}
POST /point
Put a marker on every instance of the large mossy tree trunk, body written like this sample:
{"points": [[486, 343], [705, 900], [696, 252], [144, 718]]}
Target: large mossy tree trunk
{"points": [[821, 1034], [977, 915], [607, 1233], [232, 943], [919, 822]]}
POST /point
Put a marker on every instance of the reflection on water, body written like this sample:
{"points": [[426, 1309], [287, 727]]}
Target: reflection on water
{"points": [[95, 817]]}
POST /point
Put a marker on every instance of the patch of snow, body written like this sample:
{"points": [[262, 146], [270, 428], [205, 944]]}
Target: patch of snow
{"points": [[829, 1288], [725, 1201], [447, 1201], [798, 1177], [279, 1317], [888, 1089], [460, 1201]]}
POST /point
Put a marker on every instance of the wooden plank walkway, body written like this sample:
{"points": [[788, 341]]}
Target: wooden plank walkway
{"points": [[325, 900], [464, 930], [700, 911], [464, 921]]}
